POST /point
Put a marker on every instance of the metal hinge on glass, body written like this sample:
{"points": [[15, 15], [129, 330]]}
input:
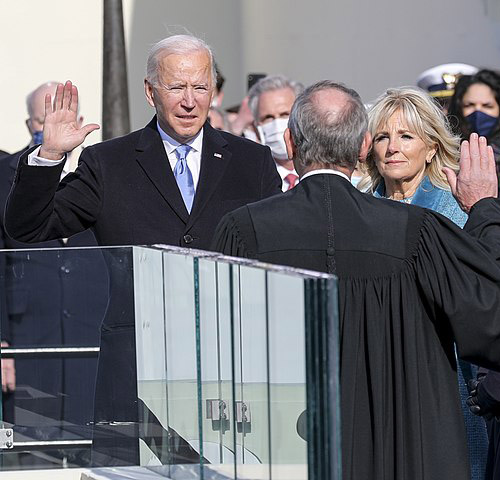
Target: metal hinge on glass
{"points": [[217, 410], [6, 438], [242, 413]]}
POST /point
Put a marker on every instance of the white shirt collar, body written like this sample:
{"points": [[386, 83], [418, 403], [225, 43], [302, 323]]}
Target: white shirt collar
{"points": [[171, 144], [324, 170], [284, 171]]}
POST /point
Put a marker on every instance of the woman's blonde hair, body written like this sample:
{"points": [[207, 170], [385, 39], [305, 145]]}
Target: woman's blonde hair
{"points": [[426, 120]]}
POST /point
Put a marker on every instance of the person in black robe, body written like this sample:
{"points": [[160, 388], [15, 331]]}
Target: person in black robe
{"points": [[411, 284]]}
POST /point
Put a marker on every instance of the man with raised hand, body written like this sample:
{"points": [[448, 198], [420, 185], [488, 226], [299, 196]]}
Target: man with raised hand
{"points": [[170, 182]]}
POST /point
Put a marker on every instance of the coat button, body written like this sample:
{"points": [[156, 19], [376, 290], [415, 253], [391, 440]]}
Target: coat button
{"points": [[188, 238]]}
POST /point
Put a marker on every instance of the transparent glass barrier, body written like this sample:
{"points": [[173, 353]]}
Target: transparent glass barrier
{"points": [[53, 302], [287, 374], [157, 361]]}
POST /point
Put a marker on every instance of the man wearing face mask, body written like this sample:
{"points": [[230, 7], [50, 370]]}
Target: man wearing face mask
{"points": [[47, 305], [270, 101]]}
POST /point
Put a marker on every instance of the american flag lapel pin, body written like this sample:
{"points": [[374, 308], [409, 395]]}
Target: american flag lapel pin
{"points": [[218, 155]]}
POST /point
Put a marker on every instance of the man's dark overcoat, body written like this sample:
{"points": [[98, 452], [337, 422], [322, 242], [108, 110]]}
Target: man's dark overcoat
{"points": [[125, 192], [53, 297]]}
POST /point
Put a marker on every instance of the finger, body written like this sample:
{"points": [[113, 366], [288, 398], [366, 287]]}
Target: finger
{"points": [[74, 99], [464, 157], [483, 153], [66, 95], [474, 150], [451, 176], [48, 104], [491, 159], [470, 401], [58, 97], [11, 378], [492, 171], [89, 128]]}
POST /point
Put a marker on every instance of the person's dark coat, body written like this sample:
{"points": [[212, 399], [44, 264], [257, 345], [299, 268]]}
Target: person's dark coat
{"points": [[125, 192], [54, 297], [411, 283]]}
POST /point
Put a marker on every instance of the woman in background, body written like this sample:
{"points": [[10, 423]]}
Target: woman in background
{"points": [[475, 107]]}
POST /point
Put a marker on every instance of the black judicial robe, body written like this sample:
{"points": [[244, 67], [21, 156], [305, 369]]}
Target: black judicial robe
{"points": [[411, 284]]}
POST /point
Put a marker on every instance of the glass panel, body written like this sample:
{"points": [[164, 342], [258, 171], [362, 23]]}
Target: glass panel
{"points": [[150, 349], [252, 406], [181, 360], [55, 301], [211, 351], [287, 376], [226, 361], [216, 404]]}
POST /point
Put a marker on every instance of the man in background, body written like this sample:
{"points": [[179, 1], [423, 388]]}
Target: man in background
{"points": [[411, 285], [50, 298], [270, 101]]}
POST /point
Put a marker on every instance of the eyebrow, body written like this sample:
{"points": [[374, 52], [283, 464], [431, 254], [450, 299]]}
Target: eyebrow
{"points": [[401, 130]]}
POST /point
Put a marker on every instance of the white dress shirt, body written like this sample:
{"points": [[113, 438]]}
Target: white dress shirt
{"points": [[193, 157], [283, 172], [71, 160]]}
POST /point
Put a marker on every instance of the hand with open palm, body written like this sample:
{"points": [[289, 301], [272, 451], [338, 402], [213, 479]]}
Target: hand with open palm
{"points": [[477, 178], [61, 130]]}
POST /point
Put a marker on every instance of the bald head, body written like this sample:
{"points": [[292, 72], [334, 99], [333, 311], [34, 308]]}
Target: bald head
{"points": [[35, 104], [327, 125], [35, 100], [330, 103]]}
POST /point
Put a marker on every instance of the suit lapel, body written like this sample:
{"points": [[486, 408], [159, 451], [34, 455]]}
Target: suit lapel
{"points": [[215, 158], [153, 159]]}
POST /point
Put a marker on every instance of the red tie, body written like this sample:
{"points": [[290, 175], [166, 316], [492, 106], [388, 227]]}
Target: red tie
{"points": [[292, 180]]}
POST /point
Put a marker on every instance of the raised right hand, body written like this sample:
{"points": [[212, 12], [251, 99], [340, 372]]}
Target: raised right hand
{"points": [[61, 131], [477, 178]]}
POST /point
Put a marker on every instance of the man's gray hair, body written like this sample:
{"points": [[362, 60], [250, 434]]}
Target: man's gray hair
{"points": [[322, 137], [176, 45], [267, 84]]}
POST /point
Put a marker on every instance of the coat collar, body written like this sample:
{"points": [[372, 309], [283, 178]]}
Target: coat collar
{"points": [[215, 158], [151, 156], [426, 195]]}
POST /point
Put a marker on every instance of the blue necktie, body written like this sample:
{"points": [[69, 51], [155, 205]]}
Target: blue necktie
{"points": [[183, 176]]}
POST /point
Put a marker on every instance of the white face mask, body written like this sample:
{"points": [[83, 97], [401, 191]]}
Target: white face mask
{"points": [[271, 134]]}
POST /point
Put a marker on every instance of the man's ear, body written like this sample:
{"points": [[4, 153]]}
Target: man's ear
{"points": [[28, 125], [149, 92], [365, 147], [290, 146]]}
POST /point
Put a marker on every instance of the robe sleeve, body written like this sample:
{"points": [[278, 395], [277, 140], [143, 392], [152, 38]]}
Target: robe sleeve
{"points": [[460, 280], [235, 235], [484, 224]]}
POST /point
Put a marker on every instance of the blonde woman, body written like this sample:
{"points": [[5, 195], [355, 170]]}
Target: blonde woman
{"points": [[412, 143]]}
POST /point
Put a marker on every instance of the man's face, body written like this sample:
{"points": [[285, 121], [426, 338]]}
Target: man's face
{"points": [[275, 104], [183, 95]]}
